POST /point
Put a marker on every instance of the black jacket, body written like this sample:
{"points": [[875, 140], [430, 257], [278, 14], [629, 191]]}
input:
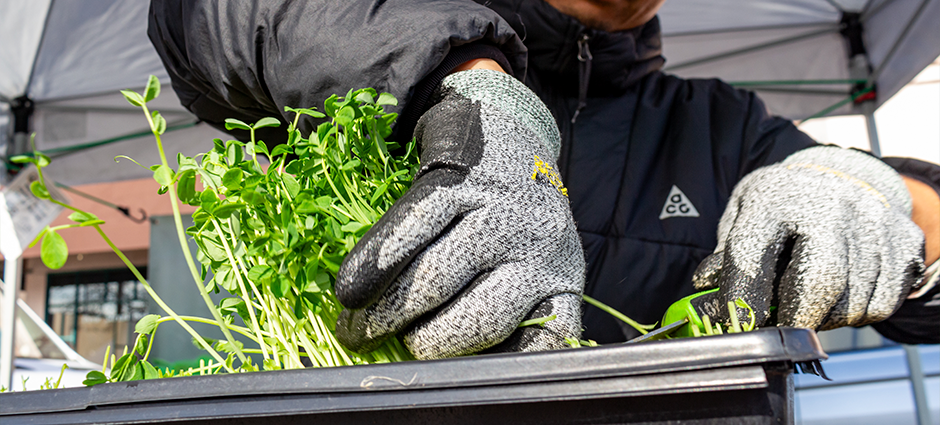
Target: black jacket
{"points": [[646, 151]]}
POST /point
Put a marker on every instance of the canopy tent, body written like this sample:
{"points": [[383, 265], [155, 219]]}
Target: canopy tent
{"points": [[805, 58], [62, 62], [61, 66]]}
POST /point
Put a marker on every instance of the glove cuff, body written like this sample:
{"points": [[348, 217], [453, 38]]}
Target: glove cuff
{"points": [[499, 90], [859, 168]]}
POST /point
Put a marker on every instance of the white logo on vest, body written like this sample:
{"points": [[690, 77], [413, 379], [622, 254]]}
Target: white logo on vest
{"points": [[677, 205]]}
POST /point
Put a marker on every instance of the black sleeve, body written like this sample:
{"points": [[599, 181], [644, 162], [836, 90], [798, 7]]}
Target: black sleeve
{"points": [[768, 138], [917, 321], [248, 59]]}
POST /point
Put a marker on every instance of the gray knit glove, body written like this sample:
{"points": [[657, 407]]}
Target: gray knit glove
{"points": [[483, 240], [825, 236]]}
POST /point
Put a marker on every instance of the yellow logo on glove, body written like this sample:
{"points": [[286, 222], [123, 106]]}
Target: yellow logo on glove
{"points": [[541, 167]]}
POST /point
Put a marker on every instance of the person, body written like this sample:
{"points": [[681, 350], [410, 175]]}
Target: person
{"points": [[600, 174]]}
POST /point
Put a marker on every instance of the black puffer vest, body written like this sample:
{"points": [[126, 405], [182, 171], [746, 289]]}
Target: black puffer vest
{"points": [[649, 159]]}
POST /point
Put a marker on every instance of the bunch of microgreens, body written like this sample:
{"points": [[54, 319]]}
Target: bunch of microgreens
{"points": [[272, 239]]}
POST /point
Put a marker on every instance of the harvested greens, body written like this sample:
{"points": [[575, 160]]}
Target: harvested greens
{"points": [[273, 238]]}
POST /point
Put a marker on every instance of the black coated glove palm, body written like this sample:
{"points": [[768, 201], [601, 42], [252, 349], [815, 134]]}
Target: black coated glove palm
{"points": [[482, 240], [855, 252]]}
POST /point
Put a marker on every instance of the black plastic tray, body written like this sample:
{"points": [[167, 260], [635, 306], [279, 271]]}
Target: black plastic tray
{"points": [[738, 378]]}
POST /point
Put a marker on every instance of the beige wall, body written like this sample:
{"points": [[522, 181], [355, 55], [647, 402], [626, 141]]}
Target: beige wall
{"points": [[35, 272], [88, 251]]}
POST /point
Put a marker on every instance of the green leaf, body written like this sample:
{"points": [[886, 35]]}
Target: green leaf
{"points": [[42, 160], [351, 165], [186, 186], [134, 372], [22, 159], [213, 250], [310, 222], [353, 227], [39, 190], [234, 305], [281, 150], [233, 124], [209, 199], [322, 280], [280, 285], [94, 377], [267, 122], [345, 116], [306, 111], [271, 364], [141, 347], [209, 341], [310, 270], [133, 97], [253, 197], [225, 210], [261, 274], [159, 123], [329, 105], [163, 175], [293, 187], [152, 90], [82, 217], [315, 114], [262, 148], [226, 279], [123, 367], [387, 99], [147, 324], [226, 346], [396, 174], [233, 153], [365, 97], [232, 179], [53, 250], [185, 162], [378, 193], [253, 180], [150, 372]]}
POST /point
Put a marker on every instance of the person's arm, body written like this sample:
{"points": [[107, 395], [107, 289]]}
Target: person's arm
{"points": [[248, 59], [481, 63], [825, 235], [915, 322], [925, 213]]}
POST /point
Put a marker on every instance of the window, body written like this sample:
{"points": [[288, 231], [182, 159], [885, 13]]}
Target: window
{"points": [[96, 309]]}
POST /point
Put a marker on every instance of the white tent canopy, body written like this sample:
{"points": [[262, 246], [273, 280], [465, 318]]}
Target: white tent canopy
{"points": [[796, 53], [68, 59]]}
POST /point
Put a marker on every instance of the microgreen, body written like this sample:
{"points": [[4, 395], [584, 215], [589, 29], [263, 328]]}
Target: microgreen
{"points": [[270, 235]]}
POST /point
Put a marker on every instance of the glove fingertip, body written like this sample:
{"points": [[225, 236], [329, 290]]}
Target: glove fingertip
{"points": [[708, 273], [358, 282], [352, 335]]}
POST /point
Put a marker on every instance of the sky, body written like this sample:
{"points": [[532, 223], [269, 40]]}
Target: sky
{"points": [[908, 124]]}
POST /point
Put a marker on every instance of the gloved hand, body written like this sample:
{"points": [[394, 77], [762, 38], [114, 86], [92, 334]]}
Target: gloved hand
{"points": [[825, 236], [482, 240]]}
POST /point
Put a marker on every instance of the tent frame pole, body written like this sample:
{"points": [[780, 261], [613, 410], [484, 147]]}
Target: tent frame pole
{"points": [[12, 268], [873, 144]]}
